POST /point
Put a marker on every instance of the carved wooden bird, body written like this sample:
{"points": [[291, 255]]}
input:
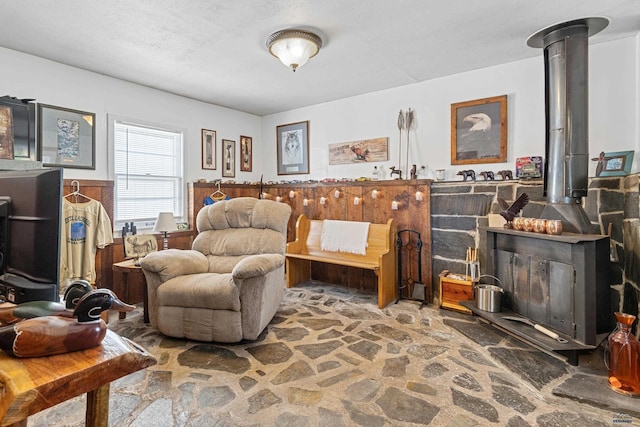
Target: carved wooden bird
{"points": [[602, 161], [49, 335], [509, 212], [31, 309]]}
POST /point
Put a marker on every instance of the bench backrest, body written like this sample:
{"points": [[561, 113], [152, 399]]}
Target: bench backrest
{"points": [[308, 234]]}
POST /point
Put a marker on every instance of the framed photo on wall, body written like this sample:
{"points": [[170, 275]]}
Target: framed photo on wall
{"points": [[293, 148], [209, 149], [479, 131], [17, 129], [614, 164], [228, 158], [67, 137], [246, 153]]}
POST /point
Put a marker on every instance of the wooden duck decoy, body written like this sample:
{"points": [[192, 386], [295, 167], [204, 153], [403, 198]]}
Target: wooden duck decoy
{"points": [[31, 309], [49, 335]]}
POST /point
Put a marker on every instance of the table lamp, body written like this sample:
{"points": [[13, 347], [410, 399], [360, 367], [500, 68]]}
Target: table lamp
{"points": [[164, 224]]}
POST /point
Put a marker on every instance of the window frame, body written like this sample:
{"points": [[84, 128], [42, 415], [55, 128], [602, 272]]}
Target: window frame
{"points": [[111, 134]]}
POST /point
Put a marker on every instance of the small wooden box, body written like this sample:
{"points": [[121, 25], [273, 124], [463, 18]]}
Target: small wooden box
{"points": [[452, 291]]}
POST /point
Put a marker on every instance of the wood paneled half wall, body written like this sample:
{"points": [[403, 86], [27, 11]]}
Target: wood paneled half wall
{"points": [[103, 192]]}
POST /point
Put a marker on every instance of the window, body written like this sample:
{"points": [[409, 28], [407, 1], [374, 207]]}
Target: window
{"points": [[147, 173]]}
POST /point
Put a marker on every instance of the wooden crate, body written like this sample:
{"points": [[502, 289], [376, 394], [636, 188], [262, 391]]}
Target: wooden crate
{"points": [[453, 290]]}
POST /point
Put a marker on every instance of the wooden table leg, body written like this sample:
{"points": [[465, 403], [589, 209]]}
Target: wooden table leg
{"points": [[145, 302], [98, 407], [125, 282]]}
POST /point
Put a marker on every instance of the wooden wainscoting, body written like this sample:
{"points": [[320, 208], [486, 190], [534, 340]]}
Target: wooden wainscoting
{"points": [[411, 214], [103, 191]]}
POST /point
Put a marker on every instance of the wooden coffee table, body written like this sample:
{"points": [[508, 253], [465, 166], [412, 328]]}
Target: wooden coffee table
{"points": [[30, 385]]}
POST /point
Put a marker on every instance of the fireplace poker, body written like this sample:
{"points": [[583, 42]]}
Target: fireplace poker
{"points": [[537, 327]]}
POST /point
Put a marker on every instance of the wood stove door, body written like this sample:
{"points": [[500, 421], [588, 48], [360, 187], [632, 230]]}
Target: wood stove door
{"points": [[538, 298], [537, 288], [561, 304]]}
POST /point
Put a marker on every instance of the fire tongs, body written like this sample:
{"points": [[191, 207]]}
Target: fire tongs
{"points": [[537, 327]]}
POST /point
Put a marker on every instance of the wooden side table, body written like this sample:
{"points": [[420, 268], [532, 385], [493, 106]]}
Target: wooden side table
{"points": [[30, 385], [130, 285]]}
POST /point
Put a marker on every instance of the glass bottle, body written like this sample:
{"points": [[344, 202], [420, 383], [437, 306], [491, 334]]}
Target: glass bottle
{"points": [[624, 357], [374, 174]]}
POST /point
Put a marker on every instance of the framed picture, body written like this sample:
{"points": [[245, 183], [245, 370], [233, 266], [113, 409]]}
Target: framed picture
{"points": [[246, 151], [293, 148], [209, 149], [139, 245], [614, 164], [479, 131], [67, 137], [228, 158], [17, 129], [366, 150]]}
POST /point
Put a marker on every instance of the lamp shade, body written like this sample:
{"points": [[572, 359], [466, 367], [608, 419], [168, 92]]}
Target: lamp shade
{"points": [[293, 47], [165, 222]]}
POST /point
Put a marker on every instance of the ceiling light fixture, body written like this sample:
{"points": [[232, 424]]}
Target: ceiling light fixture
{"points": [[293, 47]]}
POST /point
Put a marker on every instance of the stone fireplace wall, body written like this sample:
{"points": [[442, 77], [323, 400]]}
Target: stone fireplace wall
{"points": [[459, 211]]}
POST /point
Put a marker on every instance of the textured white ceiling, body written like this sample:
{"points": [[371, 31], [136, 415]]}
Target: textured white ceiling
{"points": [[215, 51]]}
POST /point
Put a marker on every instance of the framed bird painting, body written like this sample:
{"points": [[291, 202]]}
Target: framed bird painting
{"points": [[479, 131]]}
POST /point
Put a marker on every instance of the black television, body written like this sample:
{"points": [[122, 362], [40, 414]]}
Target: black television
{"points": [[30, 221]]}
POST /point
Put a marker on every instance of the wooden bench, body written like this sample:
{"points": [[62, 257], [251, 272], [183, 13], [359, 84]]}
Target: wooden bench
{"points": [[380, 256]]}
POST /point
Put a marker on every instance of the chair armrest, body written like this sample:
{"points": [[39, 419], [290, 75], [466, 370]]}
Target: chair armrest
{"points": [[171, 263], [257, 265]]}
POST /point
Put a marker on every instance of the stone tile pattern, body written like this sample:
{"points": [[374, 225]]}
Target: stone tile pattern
{"points": [[332, 358]]}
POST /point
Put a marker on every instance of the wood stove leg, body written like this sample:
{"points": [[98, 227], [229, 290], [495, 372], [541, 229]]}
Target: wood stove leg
{"points": [[573, 358]]}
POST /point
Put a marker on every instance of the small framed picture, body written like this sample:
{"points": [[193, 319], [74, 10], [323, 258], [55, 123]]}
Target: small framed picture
{"points": [[479, 131], [246, 154], [67, 137], [293, 148], [139, 245], [17, 129], [208, 149], [228, 158], [614, 164]]}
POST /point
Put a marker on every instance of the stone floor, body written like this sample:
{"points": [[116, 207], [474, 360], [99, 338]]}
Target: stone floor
{"points": [[330, 357]]}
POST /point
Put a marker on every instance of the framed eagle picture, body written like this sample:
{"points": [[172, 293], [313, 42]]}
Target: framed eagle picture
{"points": [[479, 131]]}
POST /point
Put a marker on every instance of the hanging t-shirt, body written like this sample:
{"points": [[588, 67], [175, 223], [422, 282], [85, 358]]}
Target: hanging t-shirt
{"points": [[85, 228], [211, 200]]}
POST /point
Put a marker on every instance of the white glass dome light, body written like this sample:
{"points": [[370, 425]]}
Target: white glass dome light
{"points": [[293, 47]]}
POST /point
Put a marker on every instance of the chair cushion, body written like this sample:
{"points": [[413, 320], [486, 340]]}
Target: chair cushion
{"points": [[205, 290], [244, 212]]}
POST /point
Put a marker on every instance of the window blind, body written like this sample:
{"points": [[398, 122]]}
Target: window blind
{"points": [[148, 174]]}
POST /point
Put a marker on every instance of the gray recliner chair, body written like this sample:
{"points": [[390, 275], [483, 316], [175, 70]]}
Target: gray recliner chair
{"points": [[230, 284]]}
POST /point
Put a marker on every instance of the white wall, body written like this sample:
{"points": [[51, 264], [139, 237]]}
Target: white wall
{"points": [[613, 85], [614, 113], [26, 76]]}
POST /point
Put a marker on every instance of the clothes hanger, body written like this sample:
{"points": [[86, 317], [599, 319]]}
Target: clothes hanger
{"points": [[75, 193], [218, 194]]}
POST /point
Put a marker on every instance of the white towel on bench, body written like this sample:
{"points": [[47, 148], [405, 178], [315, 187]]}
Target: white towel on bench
{"points": [[344, 236]]}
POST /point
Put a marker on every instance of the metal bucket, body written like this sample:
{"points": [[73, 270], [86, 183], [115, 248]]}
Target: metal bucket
{"points": [[488, 297]]}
